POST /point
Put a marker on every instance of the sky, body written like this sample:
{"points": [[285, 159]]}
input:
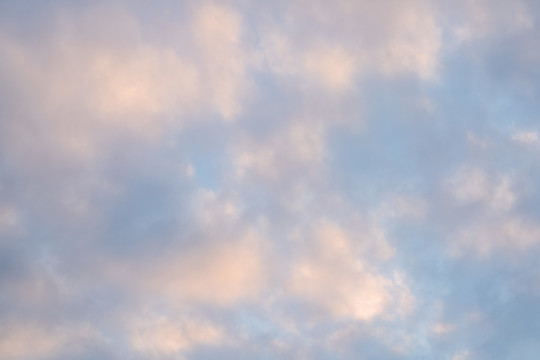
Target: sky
{"points": [[303, 180]]}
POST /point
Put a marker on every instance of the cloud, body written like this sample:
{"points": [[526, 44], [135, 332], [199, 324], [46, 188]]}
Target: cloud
{"points": [[471, 185], [402, 206], [442, 328], [410, 44], [287, 179], [482, 18], [461, 356], [219, 275], [506, 234], [330, 67], [86, 92], [525, 137], [45, 342], [8, 218], [416, 44], [160, 336], [224, 265], [336, 279], [299, 146], [219, 32], [496, 225], [148, 82]]}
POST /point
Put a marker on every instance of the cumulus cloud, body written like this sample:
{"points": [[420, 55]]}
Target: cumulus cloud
{"points": [[330, 67], [219, 30], [471, 185], [8, 218], [218, 275], [288, 179], [334, 276], [442, 328], [223, 264], [525, 137], [46, 343], [496, 225], [402, 206], [159, 336], [85, 89], [481, 18], [300, 146], [509, 234], [410, 44]]}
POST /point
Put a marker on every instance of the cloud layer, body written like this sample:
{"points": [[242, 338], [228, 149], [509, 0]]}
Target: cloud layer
{"points": [[269, 180]]}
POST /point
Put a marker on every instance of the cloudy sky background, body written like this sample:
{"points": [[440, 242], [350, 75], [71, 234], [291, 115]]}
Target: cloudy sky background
{"points": [[304, 180]]}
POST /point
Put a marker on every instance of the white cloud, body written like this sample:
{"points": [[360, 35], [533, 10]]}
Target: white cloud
{"points": [[215, 209], [503, 196], [510, 234], [148, 82], [300, 146], [414, 46], [224, 61], [86, 89], [331, 67], [477, 141], [402, 207], [9, 218], [113, 113], [32, 341], [334, 277], [441, 328], [497, 225], [482, 18], [158, 336], [470, 185], [220, 273], [225, 264], [463, 355], [408, 42], [525, 137]]}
